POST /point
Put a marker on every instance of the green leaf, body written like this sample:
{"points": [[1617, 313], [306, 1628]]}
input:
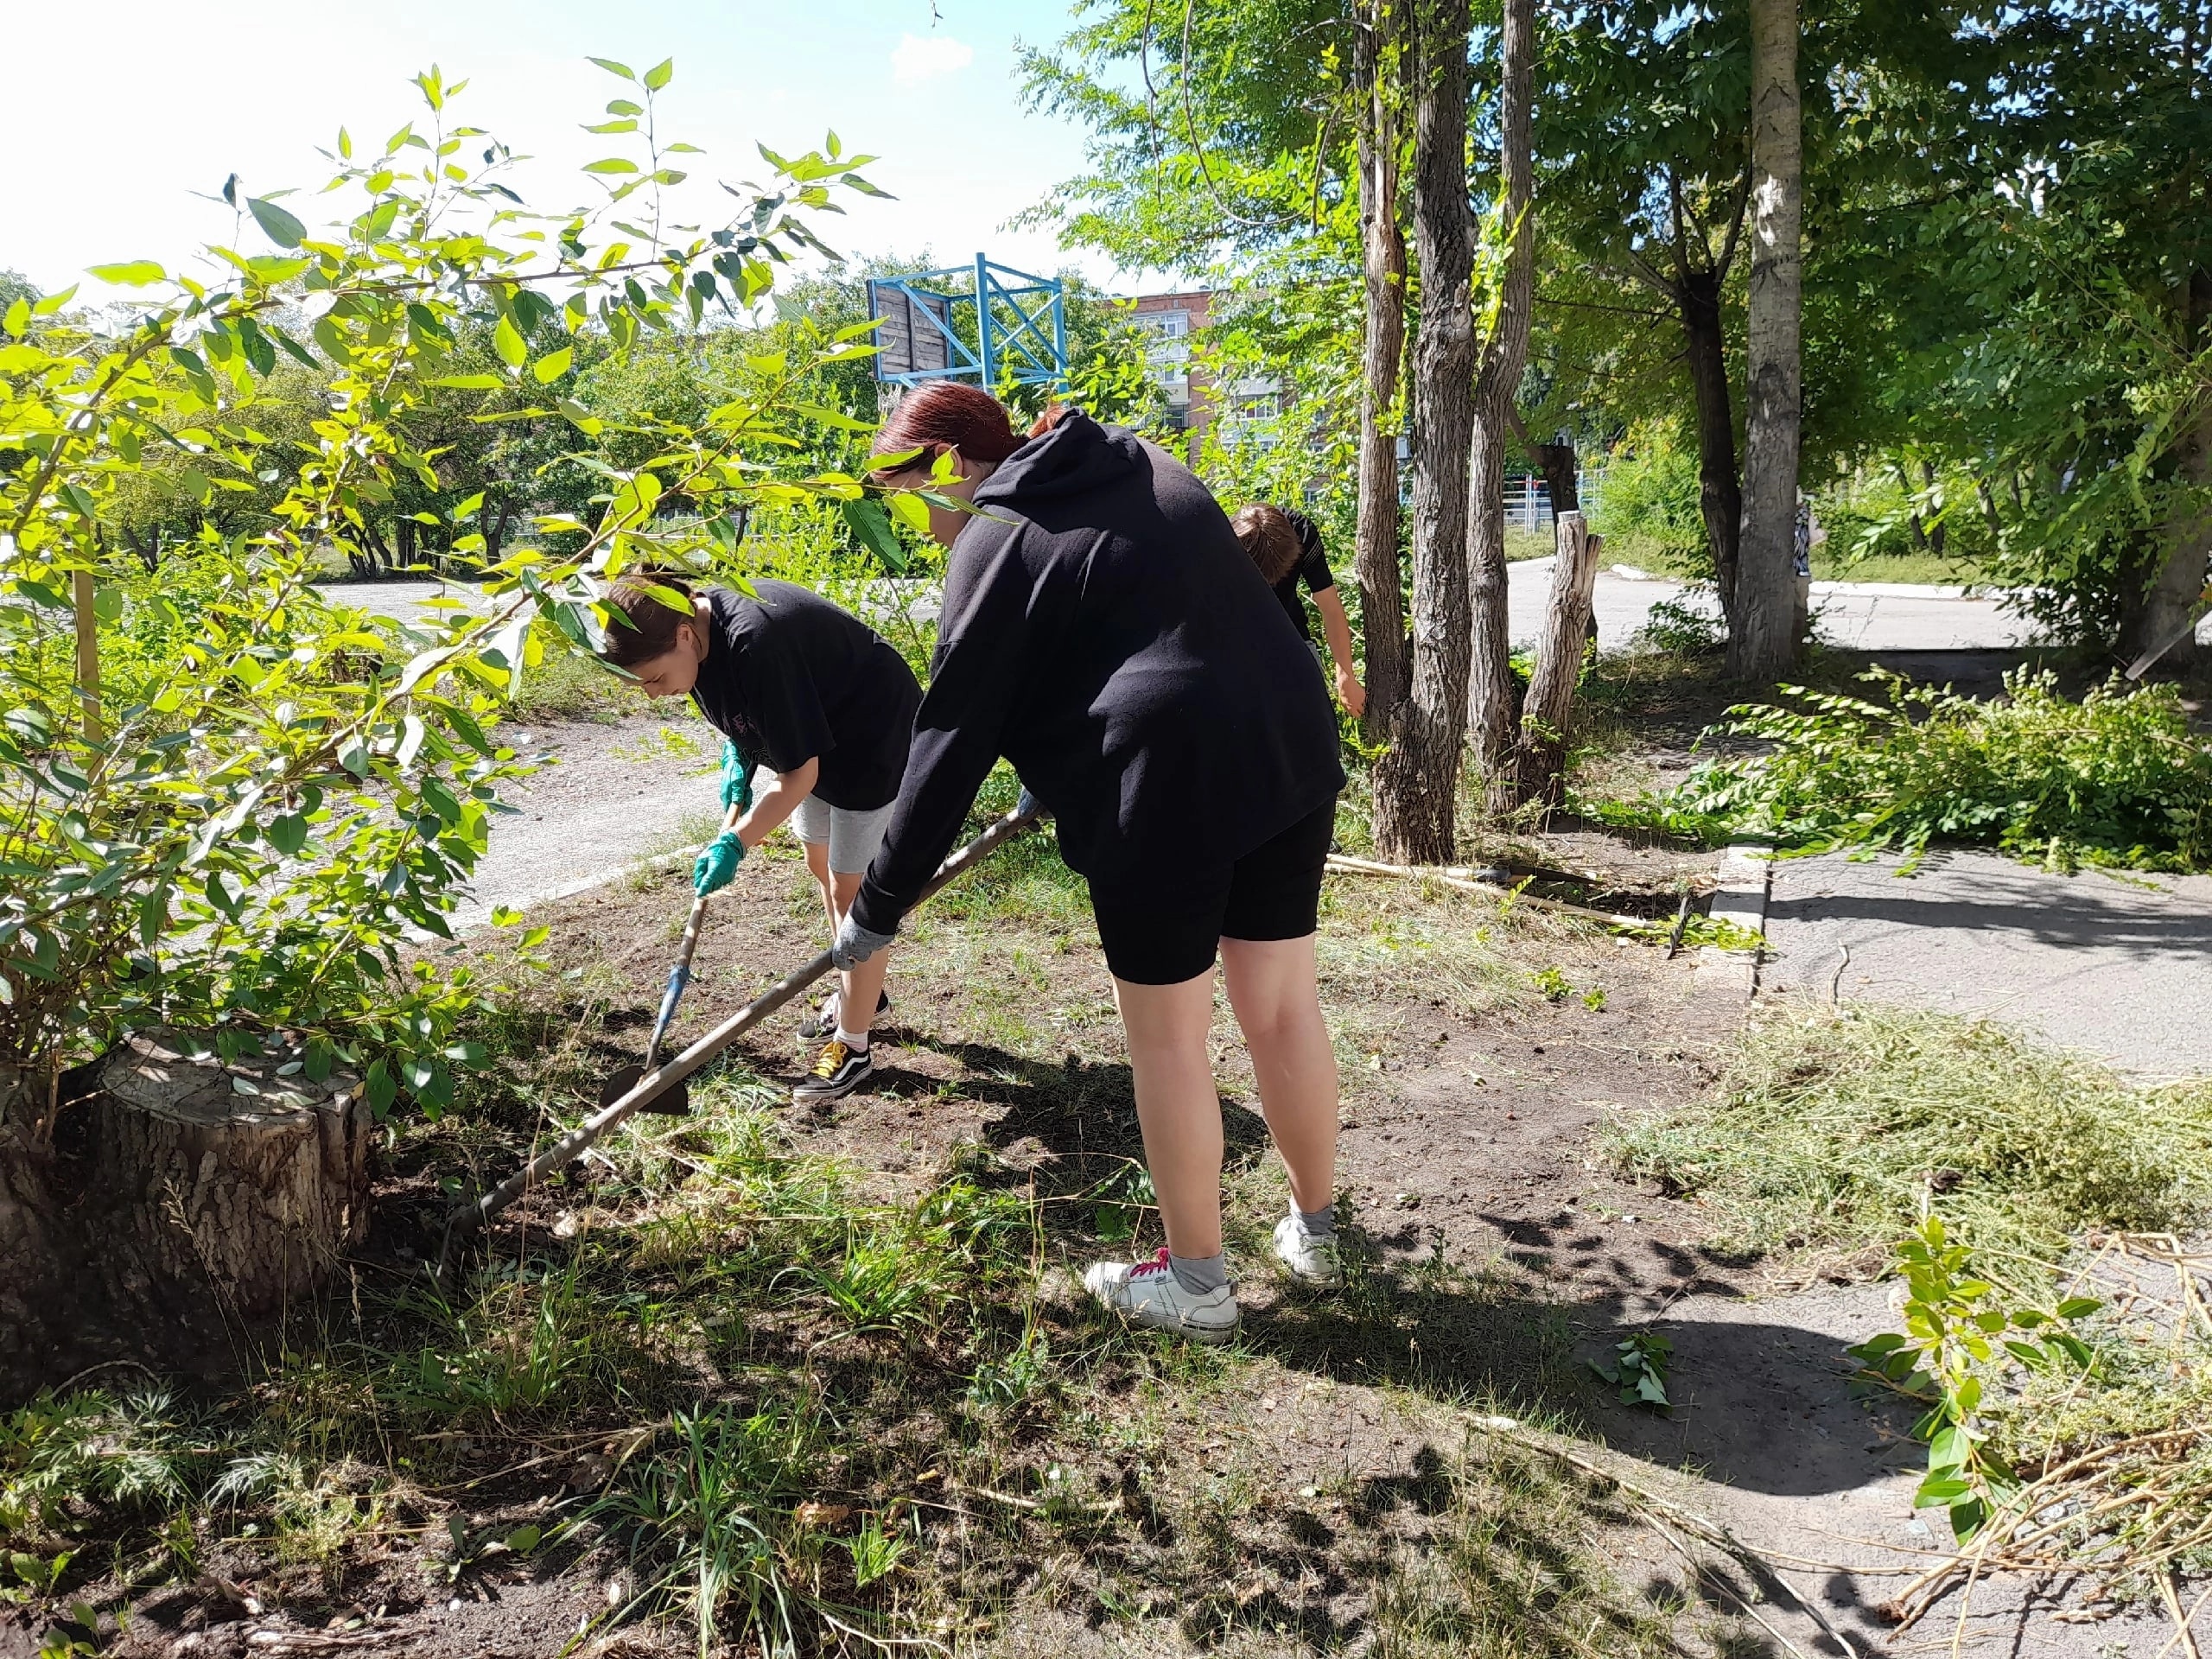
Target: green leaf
{"points": [[612, 164], [18, 321], [551, 367], [507, 342], [133, 273], [660, 74], [276, 225], [288, 833], [613, 67], [524, 1538], [2076, 1308], [1943, 1487], [380, 1088], [867, 519], [468, 381], [1967, 1518]]}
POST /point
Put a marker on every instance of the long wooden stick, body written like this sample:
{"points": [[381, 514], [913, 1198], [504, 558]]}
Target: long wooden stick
{"points": [[469, 1218], [1461, 877], [88, 651]]}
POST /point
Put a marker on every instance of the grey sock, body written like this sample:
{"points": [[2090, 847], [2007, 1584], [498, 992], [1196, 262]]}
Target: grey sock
{"points": [[1201, 1274], [1317, 1223]]}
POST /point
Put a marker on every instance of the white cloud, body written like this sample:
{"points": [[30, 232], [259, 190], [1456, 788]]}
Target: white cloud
{"points": [[917, 59]]}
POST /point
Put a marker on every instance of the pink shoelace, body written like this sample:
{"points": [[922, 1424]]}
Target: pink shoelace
{"points": [[1158, 1264]]}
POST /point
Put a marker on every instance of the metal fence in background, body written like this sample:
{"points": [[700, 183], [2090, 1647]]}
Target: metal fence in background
{"points": [[1528, 498]]}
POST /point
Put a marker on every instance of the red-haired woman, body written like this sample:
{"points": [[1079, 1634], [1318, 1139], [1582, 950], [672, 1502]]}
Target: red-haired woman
{"points": [[1103, 632]]}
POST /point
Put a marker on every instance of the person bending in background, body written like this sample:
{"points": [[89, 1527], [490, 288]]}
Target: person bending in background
{"points": [[814, 693], [1103, 631], [1287, 550]]}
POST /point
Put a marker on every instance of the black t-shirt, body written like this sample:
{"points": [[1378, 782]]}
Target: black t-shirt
{"points": [[789, 678], [1311, 568]]}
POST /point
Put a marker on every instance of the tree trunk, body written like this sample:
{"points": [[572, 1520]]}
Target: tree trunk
{"points": [[189, 1208], [1376, 51], [1493, 703], [2173, 593], [1416, 784], [1719, 495], [1763, 640], [1550, 709], [1938, 531], [257, 1193], [1562, 474]]}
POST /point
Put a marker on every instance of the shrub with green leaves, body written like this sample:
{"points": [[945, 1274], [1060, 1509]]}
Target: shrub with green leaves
{"points": [[1828, 1131], [2116, 779], [261, 798]]}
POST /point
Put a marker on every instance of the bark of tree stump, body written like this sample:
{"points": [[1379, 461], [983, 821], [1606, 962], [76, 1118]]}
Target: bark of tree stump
{"points": [[244, 1178]]}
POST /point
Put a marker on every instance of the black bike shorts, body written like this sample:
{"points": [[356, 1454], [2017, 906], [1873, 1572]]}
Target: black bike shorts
{"points": [[1163, 932]]}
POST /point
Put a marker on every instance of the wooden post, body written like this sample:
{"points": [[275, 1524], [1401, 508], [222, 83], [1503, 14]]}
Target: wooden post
{"points": [[1550, 701], [88, 652]]}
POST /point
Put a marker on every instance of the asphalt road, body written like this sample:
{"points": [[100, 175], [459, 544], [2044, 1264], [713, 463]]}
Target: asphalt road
{"points": [[2121, 968], [1857, 616]]}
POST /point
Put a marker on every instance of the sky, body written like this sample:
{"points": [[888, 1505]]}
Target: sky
{"points": [[138, 106]]}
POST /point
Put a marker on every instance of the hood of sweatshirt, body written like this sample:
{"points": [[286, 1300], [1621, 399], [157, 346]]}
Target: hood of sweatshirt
{"points": [[1077, 457]]}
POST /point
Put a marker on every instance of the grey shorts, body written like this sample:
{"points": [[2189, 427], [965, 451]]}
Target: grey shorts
{"points": [[853, 837]]}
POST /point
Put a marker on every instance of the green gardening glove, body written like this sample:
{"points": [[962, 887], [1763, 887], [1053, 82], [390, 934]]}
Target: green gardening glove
{"points": [[716, 863], [737, 777]]}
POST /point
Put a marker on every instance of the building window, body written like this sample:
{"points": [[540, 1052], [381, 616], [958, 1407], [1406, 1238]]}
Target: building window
{"points": [[1169, 355]]}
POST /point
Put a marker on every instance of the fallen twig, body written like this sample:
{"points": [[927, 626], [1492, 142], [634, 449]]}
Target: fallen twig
{"points": [[2182, 1631]]}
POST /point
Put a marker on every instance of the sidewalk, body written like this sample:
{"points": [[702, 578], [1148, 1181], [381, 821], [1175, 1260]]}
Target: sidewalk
{"points": [[2120, 967]]}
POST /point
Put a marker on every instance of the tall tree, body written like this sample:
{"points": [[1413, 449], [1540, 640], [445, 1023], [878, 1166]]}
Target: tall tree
{"points": [[1377, 65], [1645, 165], [1494, 702], [1762, 638], [1417, 781]]}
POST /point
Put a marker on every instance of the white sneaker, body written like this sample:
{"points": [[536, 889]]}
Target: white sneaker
{"points": [[1149, 1293], [1312, 1260]]}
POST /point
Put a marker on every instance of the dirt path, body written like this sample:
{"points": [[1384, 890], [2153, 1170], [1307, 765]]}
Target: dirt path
{"points": [[606, 797]]}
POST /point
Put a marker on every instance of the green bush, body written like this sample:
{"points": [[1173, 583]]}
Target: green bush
{"points": [[271, 796], [1648, 512], [2116, 779]]}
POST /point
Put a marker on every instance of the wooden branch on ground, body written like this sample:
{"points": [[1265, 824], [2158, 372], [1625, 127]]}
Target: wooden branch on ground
{"points": [[1462, 878]]}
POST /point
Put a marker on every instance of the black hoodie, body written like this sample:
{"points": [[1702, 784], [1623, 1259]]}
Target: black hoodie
{"points": [[1104, 630]]}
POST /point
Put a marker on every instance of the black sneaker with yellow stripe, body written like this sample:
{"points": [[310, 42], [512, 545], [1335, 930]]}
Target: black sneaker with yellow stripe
{"points": [[837, 1070]]}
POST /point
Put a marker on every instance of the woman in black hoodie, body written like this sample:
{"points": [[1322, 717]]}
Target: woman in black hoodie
{"points": [[1104, 633]]}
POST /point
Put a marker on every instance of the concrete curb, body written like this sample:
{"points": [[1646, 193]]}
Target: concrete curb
{"points": [[1745, 879]]}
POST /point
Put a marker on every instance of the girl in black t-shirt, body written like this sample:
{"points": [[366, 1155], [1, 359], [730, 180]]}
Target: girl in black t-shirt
{"points": [[799, 686], [1286, 548]]}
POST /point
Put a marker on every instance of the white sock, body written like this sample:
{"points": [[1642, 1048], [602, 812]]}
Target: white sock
{"points": [[855, 1041]]}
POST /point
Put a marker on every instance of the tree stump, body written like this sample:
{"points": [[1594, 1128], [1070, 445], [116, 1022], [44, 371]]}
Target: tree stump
{"points": [[242, 1178], [1547, 710]]}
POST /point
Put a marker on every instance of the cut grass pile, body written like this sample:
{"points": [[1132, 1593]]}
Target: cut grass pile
{"points": [[1837, 1133], [1832, 1132]]}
